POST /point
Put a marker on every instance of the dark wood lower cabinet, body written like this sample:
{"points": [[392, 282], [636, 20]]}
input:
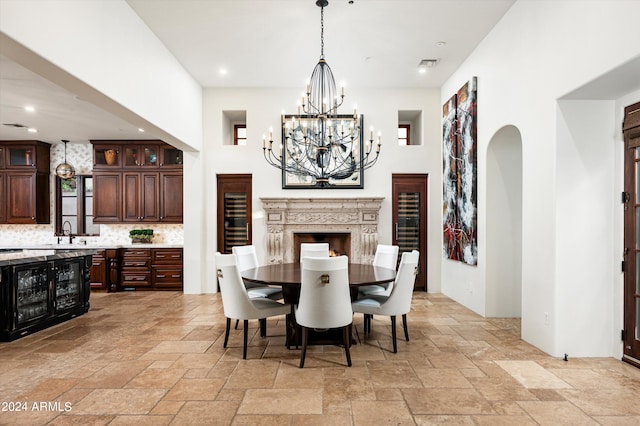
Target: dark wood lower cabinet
{"points": [[137, 269]]}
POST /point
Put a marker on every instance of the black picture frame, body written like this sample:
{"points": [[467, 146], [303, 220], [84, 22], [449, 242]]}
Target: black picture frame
{"points": [[293, 181]]}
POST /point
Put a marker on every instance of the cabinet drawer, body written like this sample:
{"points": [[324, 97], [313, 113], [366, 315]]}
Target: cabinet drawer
{"points": [[135, 279], [166, 256], [136, 253], [136, 262], [167, 277]]}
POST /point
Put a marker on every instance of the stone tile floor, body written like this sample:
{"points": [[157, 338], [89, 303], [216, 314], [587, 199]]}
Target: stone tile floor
{"points": [[156, 358]]}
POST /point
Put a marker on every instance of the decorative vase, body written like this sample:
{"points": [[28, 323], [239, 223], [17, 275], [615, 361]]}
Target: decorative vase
{"points": [[111, 156]]}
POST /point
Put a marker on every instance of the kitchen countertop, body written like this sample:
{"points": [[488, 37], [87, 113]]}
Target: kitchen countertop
{"points": [[77, 246], [31, 256]]}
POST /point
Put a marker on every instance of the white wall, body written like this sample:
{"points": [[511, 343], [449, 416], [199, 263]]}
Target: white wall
{"points": [[537, 53], [503, 291], [84, 45], [380, 109], [584, 234]]}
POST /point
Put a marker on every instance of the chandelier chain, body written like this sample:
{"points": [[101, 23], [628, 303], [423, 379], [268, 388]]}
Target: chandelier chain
{"points": [[320, 146], [322, 32]]}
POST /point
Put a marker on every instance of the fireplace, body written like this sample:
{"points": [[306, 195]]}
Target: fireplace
{"points": [[339, 242], [354, 219]]}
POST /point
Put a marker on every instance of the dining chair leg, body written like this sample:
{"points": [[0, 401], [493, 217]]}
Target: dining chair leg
{"points": [[393, 333], [236, 327], [246, 338], [346, 337], [404, 324], [263, 327], [226, 333], [303, 353]]}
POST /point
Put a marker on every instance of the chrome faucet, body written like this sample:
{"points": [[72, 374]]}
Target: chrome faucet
{"points": [[67, 232]]}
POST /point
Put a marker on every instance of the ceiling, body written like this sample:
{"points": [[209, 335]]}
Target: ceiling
{"points": [[267, 43]]}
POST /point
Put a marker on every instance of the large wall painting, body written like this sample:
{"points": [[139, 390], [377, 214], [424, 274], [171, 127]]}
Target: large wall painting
{"points": [[459, 180]]}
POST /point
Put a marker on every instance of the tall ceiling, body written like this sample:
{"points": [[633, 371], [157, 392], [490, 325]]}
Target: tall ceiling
{"points": [[267, 43]]}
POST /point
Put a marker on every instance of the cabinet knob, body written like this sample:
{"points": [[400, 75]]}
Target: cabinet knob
{"points": [[33, 218], [161, 217]]}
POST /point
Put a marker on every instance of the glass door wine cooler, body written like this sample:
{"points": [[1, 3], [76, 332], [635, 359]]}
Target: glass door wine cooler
{"points": [[37, 295]]}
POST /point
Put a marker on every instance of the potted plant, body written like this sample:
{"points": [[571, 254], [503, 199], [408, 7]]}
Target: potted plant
{"points": [[141, 235]]}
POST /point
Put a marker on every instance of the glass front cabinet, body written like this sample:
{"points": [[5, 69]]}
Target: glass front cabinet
{"points": [[38, 295]]}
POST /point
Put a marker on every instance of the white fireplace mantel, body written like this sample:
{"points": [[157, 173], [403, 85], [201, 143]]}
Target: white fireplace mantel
{"points": [[287, 216]]}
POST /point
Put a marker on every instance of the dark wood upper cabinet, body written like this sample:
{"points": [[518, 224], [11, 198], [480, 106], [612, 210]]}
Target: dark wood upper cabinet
{"points": [[107, 197], [148, 193], [171, 194], [24, 182]]}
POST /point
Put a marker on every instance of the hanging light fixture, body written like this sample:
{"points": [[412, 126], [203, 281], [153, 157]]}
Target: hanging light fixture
{"points": [[320, 146], [65, 170]]}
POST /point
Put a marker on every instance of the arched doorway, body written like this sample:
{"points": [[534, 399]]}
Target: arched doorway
{"points": [[504, 225]]}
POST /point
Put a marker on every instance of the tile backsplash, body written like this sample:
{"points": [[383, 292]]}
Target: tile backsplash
{"points": [[29, 235]]}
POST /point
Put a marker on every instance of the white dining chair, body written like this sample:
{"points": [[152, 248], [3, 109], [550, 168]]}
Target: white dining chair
{"points": [[247, 258], [325, 300], [314, 250], [398, 302], [236, 302], [387, 257]]}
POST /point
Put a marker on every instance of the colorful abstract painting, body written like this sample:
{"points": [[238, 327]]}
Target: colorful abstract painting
{"points": [[459, 180]]}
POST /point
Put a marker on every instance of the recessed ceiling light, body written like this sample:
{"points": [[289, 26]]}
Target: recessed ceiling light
{"points": [[32, 130], [441, 43], [223, 71], [29, 108], [141, 130]]}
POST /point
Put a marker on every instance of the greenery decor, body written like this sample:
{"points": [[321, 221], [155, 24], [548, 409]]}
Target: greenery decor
{"points": [[141, 235]]}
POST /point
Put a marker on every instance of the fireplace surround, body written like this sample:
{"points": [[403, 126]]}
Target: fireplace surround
{"points": [[286, 217]]}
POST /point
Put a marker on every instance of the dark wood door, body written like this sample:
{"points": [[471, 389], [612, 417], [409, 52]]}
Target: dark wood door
{"points": [[171, 197], [234, 211], [107, 198], [409, 209], [632, 235]]}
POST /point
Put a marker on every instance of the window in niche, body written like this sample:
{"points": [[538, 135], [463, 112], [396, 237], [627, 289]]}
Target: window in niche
{"points": [[409, 127], [234, 127]]}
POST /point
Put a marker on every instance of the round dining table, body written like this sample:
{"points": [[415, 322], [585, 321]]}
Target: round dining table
{"points": [[287, 276]]}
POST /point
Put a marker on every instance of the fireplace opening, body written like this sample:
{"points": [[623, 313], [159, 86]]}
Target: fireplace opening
{"points": [[339, 242]]}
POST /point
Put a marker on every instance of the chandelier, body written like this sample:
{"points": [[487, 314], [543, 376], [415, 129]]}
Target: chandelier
{"points": [[319, 146]]}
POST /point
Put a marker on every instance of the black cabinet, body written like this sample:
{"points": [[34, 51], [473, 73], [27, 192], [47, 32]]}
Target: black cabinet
{"points": [[41, 293]]}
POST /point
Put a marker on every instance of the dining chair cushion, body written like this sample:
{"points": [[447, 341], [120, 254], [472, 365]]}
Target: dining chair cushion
{"points": [[387, 257]]}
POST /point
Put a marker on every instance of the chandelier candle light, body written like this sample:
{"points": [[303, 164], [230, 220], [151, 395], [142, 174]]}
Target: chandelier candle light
{"points": [[320, 146]]}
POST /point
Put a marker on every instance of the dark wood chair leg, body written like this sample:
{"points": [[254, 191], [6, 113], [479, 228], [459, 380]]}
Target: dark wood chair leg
{"points": [[246, 338], [236, 327], [404, 324], [226, 333], [263, 327], [367, 324], [303, 353], [346, 338], [393, 333]]}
